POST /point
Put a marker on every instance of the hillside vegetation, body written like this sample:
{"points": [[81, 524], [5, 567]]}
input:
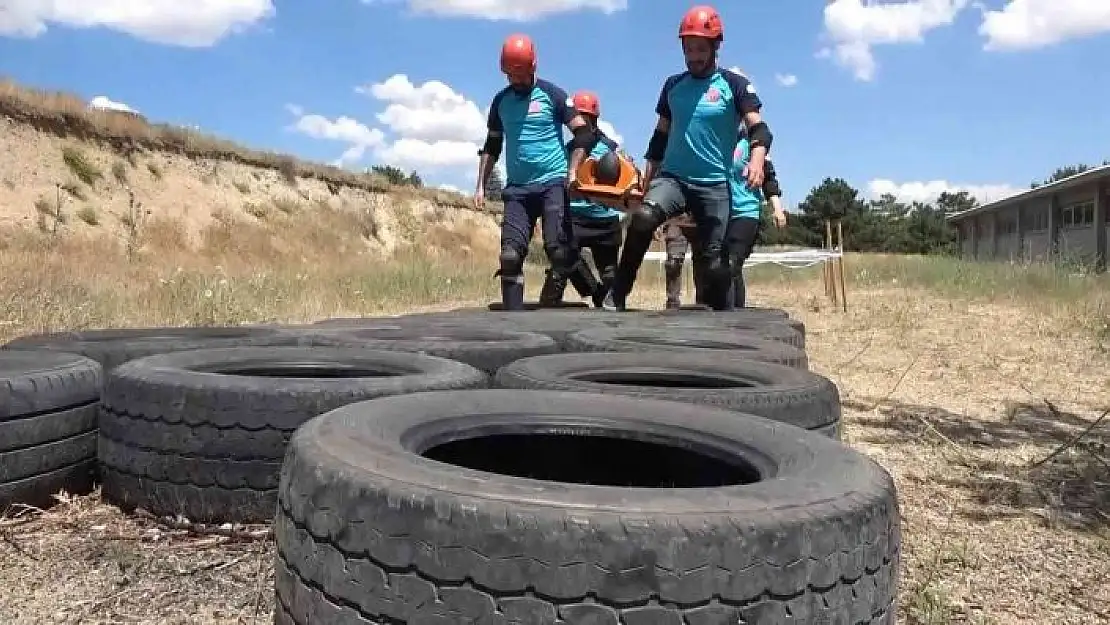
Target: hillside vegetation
{"points": [[107, 219], [66, 167]]}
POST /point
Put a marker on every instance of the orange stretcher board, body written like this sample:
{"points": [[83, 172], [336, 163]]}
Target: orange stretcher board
{"points": [[621, 196]]}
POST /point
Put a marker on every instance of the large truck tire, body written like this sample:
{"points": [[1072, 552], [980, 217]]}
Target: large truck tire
{"points": [[48, 404], [743, 345], [202, 433], [487, 348], [510, 506], [114, 346], [785, 394]]}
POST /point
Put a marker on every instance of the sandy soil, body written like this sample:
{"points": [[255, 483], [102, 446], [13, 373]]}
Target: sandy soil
{"points": [[975, 409]]}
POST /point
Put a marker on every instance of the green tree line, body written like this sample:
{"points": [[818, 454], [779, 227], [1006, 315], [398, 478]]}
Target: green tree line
{"points": [[883, 224]]}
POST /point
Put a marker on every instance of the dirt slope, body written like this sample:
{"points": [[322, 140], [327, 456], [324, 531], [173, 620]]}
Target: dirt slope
{"points": [[68, 169]]}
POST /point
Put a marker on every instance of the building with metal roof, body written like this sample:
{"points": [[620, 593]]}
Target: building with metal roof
{"points": [[1065, 219]]}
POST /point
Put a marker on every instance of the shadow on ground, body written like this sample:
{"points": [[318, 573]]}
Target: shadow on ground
{"points": [[1067, 481]]}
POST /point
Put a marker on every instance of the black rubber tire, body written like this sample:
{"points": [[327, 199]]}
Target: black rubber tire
{"points": [[486, 347], [774, 329], [499, 307], [739, 319], [785, 394], [368, 531], [741, 345], [179, 438], [48, 406], [115, 346]]}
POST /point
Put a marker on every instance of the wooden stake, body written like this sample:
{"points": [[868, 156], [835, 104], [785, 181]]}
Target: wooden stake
{"points": [[825, 275], [840, 265], [831, 267]]}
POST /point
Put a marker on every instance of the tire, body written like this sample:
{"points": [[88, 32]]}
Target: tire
{"points": [[743, 318], [499, 307], [413, 539], [115, 346], [48, 405], [202, 433], [488, 348], [743, 345], [774, 329], [785, 394]]}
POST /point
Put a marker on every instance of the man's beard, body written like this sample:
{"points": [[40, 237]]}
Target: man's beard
{"points": [[699, 68]]}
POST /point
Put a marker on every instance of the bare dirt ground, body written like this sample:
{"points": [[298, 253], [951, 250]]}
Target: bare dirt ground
{"points": [[976, 409]]}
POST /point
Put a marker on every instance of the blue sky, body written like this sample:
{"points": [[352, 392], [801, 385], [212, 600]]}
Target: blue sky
{"points": [[908, 97]]}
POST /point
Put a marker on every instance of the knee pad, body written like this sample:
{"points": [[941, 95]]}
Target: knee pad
{"points": [[718, 269], [562, 258], [512, 261], [646, 219]]}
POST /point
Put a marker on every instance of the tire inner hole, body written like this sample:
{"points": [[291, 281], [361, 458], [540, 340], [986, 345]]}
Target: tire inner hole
{"points": [[702, 343], [662, 379], [309, 370], [596, 459]]}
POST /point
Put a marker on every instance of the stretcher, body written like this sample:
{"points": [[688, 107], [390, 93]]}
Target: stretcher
{"points": [[623, 195]]}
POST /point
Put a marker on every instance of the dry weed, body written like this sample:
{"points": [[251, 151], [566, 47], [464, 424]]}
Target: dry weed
{"points": [[66, 115], [982, 404]]}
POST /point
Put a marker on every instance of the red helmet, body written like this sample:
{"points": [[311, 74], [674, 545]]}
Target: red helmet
{"points": [[702, 21], [518, 54], [586, 102]]}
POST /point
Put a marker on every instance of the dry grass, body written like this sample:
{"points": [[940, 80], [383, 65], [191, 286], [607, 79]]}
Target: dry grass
{"points": [[945, 371], [67, 115]]}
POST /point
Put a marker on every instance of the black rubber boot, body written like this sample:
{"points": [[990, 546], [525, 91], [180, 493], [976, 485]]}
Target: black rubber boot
{"points": [[512, 293]]}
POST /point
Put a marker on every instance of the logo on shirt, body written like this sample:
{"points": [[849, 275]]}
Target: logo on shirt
{"points": [[712, 95], [534, 107]]}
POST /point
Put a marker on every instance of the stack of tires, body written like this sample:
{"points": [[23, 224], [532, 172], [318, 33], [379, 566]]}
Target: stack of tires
{"points": [[479, 466]]}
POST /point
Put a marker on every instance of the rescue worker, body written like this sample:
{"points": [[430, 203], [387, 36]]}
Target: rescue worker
{"points": [[596, 227], [676, 238], [740, 236], [526, 119], [744, 218], [689, 156]]}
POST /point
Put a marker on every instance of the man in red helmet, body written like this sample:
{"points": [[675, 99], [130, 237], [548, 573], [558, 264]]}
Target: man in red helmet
{"points": [[596, 227], [530, 112], [689, 157]]}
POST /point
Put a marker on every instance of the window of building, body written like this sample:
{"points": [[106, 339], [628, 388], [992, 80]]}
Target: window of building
{"points": [[1035, 219], [1080, 215]]}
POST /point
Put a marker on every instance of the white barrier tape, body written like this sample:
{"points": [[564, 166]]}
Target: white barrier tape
{"points": [[794, 259]]}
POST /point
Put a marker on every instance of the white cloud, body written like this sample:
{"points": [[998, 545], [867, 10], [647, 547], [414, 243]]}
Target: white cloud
{"points": [[786, 80], [103, 102], [929, 191], [855, 26], [431, 126], [193, 23], [513, 10], [1026, 24], [423, 155], [432, 111], [343, 129], [610, 131]]}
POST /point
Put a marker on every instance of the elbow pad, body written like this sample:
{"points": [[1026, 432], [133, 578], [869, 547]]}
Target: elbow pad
{"points": [[760, 136], [771, 188], [657, 147], [584, 138], [492, 147]]}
